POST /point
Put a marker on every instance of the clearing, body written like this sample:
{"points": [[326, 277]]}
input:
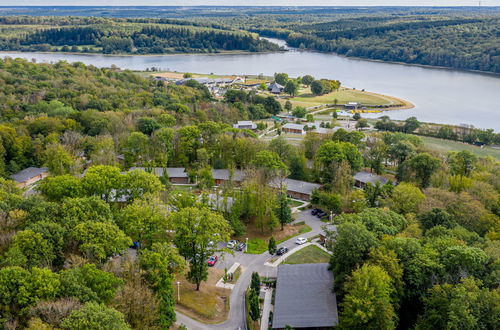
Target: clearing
{"points": [[345, 95], [309, 255], [449, 145]]}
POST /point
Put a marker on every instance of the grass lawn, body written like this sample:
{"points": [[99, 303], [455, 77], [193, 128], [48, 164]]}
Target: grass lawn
{"points": [[210, 304], [309, 255], [343, 95], [448, 145], [257, 242], [294, 203]]}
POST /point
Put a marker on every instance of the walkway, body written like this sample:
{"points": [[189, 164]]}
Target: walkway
{"points": [[264, 322]]}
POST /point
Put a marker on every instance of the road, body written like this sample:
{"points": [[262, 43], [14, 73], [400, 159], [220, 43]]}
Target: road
{"points": [[250, 263]]}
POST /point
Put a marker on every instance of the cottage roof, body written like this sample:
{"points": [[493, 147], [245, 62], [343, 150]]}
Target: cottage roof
{"points": [[223, 174], [28, 173], [173, 172], [302, 187], [367, 177], [304, 297]]}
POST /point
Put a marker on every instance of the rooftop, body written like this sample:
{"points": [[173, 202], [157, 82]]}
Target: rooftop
{"points": [[173, 172], [366, 177], [294, 126], [223, 174], [302, 187], [28, 173], [304, 297]]}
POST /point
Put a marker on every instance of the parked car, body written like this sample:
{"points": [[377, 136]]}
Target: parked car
{"points": [[321, 214], [232, 244], [241, 247], [212, 261], [281, 251], [300, 240], [315, 211]]}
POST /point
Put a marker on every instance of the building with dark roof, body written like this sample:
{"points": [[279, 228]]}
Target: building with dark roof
{"points": [[222, 175], [304, 297], [176, 175], [362, 178], [275, 88], [295, 188], [29, 176]]}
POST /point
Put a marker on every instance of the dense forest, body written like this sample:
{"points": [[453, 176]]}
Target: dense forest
{"points": [[111, 36], [462, 38]]}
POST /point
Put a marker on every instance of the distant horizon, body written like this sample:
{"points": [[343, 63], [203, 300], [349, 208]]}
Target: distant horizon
{"points": [[249, 3]]}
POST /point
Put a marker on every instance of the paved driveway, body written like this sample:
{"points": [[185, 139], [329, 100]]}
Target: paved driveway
{"points": [[249, 263]]}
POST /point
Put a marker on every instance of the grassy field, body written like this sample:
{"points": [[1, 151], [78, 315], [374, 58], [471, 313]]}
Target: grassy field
{"points": [[343, 95], [308, 255], [448, 145]]}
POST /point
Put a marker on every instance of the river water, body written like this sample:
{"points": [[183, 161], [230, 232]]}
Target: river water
{"points": [[439, 95]]}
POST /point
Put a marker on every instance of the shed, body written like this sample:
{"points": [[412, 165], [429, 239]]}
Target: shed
{"points": [[245, 124]]}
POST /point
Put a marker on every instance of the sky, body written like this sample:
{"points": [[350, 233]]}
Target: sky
{"points": [[249, 2]]}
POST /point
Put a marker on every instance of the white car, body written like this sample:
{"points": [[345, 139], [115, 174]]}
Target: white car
{"points": [[231, 244], [300, 240]]}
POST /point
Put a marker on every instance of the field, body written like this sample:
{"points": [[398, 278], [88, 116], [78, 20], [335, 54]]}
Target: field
{"points": [[344, 95], [308, 255], [448, 145]]}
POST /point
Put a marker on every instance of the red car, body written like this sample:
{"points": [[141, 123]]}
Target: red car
{"points": [[212, 260]]}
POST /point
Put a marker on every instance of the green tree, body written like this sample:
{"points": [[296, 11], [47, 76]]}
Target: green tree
{"points": [[254, 305], [378, 221], [288, 105], [99, 240], [350, 245], [291, 88], [406, 198], [464, 261], [147, 125], [299, 112], [195, 229], [159, 264], [283, 211], [145, 221], [270, 164], [424, 165], [94, 316], [356, 116], [58, 159], [362, 123], [462, 163], [307, 79], [101, 180], [138, 183], [271, 246], [410, 125], [136, 148], [255, 282], [55, 188], [462, 306], [87, 283], [281, 78], [436, 217], [368, 300], [29, 249]]}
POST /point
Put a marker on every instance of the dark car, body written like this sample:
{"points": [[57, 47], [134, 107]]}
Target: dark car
{"points": [[241, 247], [315, 211], [281, 251], [321, 214]]}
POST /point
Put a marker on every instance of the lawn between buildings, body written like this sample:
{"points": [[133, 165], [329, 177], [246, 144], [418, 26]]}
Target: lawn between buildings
{"points": [[309, 255], [258, 241]]}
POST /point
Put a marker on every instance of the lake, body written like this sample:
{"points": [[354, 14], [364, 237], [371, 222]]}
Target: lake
{"points": [[439, 95]]}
